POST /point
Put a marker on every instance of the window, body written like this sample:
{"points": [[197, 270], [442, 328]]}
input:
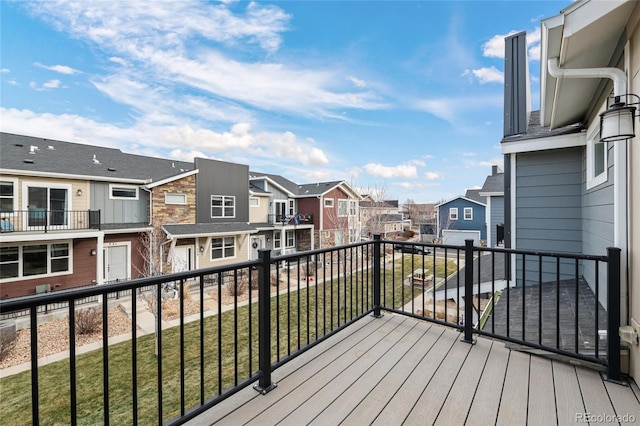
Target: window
{"points": [[123, 192], [353, 235], [254, 202], [292, 207], [41, 198], [34, 260], [328, 202], [222, 248], [175, 199], [223, 206], [596, 161], [468, 213], [7, 196], [453, 213], [276, 240], [352, 208], [291, 238], [343, 205]]}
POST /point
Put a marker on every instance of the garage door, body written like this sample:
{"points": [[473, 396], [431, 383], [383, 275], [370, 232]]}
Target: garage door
{"points": [[457, 238]]}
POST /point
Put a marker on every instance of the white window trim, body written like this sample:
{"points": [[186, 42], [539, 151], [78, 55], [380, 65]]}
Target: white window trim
{"points": [[175, 195], [286, 239], [14, 181], [292, 206], [256, 200], [353, 209], [211, 249], [114, 185], [21, 277], [224, 197], [468, 209], [49, 185], [276, 237], [453, 210], [593, 181], [346, 208], [328, 202]]}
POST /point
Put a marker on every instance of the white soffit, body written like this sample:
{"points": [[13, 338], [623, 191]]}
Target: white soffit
{"points": [[585, 35]]}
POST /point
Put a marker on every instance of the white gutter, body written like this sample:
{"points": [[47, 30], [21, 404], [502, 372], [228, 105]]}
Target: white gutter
{"points": [[616, 74]]}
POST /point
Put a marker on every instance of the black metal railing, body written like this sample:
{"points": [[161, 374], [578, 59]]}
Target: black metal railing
{"points": [[238, 323], [291, 219], [44, 220]]}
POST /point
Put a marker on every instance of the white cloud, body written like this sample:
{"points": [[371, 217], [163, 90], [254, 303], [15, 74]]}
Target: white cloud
{"points": [[154, 139], [405, 171], [62, 69], [118, 60], [452, 109], [357, 82], [489, 75], [5, 70], [52, 84], [432, 176], [180, 44], [494, 47]]}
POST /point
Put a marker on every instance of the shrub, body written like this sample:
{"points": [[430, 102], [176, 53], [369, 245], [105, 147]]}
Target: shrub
{"points": [[88, 320], [7, 342]]}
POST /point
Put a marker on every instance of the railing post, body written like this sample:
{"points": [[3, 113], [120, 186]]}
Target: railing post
{"points": [[468, 292], [613, 314], [376, 276], [265, 384]]}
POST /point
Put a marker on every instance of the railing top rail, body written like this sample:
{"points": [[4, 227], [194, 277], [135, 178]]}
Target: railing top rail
{"points": [[602, 258], [26, 302]]}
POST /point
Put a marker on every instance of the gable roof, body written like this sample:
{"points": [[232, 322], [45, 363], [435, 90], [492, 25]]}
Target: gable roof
{"points": [[58, 158], [493, 185], [281, 182], [474, 194], [460, 197], [380, 204]]}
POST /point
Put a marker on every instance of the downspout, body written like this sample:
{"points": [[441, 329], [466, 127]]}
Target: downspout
{"points": [[618, 76]]}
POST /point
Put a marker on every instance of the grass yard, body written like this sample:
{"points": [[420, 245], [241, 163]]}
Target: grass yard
{"points": [[298, 317]]}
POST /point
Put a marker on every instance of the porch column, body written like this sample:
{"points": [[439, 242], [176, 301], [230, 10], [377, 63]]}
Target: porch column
{"points": [[100, 258]]}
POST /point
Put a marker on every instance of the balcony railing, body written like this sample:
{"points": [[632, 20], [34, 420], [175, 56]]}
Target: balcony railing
{"points": [[255, 316], [291, 219], [43, 220]]}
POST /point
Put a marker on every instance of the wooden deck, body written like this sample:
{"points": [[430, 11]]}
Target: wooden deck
{"points": [[398, 370]]}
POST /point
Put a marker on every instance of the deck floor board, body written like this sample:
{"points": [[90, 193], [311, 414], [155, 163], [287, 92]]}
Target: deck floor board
{"points": [[397, 370]]}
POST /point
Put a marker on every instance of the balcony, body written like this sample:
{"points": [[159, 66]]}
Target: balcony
{"points": [[43, 220], [341, 335], [291, 219]]}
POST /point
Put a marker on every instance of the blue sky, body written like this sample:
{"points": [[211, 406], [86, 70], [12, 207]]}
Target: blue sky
{"points": [[403, 99]]}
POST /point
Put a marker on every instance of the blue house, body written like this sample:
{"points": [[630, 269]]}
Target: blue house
{"points": [[462, 218]]}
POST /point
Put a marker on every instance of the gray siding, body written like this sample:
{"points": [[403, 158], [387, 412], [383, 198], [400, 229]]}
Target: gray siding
{"points": [[497, 217], [549, 208], [119, 211], [221, 178], [597, 223]]}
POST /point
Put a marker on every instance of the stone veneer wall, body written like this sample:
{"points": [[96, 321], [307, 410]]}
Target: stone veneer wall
{"points": [[175, 213]]}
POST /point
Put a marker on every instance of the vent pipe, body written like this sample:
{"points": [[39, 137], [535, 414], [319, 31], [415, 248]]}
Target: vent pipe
{"points": [[616, 74]]}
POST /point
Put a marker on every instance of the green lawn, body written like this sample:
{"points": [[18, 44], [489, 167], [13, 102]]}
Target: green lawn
{"points": [[303, 316]]}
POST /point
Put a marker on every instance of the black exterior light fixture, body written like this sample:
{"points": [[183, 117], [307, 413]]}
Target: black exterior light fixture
{"points": [[618, 121]]}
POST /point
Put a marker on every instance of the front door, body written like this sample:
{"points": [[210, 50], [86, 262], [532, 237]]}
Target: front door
{"points": [[116, 263], [257, 243], [182, 259]]}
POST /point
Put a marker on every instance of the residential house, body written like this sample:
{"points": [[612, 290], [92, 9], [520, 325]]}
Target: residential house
{"points": [[218, 232], [282, 226], [566, 189], [462, 218], [334, 206], [72, 214], [379, 217], [493, 191], [423, 216]]}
